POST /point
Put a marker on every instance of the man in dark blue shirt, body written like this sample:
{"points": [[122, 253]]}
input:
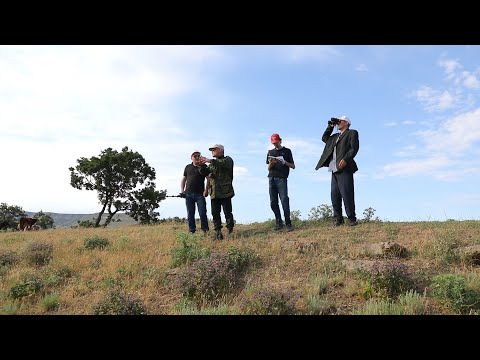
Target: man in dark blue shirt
{"points": [[280, 161], [193, 186]]}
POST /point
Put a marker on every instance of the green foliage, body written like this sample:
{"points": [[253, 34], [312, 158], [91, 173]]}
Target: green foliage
{"points": [[44, 221], [368, 215], [96, 242], [8, 258], [9, 216], [123, 182], [58, 276], [387, 279], [30, 286], [453, 289], [119, 303], [38, 253], [321, 213], [240, 260], [188, 250], [319, 306], [208, 279], [410, 303], [85, 224], [51, 302], [186, 307], [268, 301], [295, 215]]}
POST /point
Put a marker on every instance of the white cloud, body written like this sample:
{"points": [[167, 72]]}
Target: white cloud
{"points": [[390, 124], [67, 102], [449, 66], [434, 100], [408, 122], [361, 68], [470, 81], [444, 151]]}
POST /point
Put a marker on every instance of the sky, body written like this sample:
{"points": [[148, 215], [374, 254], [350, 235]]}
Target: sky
{"points": [[416, 109]]}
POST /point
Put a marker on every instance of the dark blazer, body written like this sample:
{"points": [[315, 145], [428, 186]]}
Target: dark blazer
{"points": [[347, 148]]}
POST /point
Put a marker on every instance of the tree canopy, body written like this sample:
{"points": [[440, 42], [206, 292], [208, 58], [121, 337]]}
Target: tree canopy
{"points": [[9, 216], [45, 221], [123, 181]]}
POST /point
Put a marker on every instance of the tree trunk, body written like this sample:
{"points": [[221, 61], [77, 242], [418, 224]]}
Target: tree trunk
{"points": [[110, 215], [100, 215]]}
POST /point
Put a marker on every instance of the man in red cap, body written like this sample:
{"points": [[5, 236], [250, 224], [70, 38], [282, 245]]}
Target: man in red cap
{"points": [[280, 161]]}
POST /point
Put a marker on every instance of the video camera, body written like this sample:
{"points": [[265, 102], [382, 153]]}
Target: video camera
{"points": [[333, 121]]}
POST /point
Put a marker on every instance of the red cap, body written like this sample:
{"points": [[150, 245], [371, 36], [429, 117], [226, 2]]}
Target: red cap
{"points": [[275, 138]]}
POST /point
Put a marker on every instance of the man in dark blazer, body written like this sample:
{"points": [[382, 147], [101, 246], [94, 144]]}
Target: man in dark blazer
{"points": [[340, 149]]}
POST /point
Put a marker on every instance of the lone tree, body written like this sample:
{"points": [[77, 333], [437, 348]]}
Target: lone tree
{"points": [[45, 221], [9, 216], [124, 182]]}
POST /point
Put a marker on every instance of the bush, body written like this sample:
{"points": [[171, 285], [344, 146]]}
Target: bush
{"points": [[38, 253], [96, 242], [51, 302], [321, 213], [118, 303], [188, 250], [207, 279], [368, 215], [8, 258], [28, 287], [267, 301], [453, 289], [389, 279]]}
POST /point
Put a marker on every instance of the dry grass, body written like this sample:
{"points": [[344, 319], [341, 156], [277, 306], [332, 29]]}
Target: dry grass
{"points": [[138, 261]]}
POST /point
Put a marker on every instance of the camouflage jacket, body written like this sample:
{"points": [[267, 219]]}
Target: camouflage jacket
{"points": [[221, 170]]}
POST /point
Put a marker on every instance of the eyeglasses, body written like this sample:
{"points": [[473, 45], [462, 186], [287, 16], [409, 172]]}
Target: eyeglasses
{"points": [[196, 156]]}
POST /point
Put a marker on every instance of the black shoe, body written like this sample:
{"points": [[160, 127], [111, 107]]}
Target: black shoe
{"points": [[230, 230], [279, 226], [191, 231], [219, 235], [289, 227], [338, 222], [353, 223]]}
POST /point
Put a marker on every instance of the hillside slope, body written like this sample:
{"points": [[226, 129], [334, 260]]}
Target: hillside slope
{"points": [[162, 269]]}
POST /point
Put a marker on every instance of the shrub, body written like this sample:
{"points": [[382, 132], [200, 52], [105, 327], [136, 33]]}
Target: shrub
{"points": [[58, 276], [410, 303], [267, 301], [96, 242], [188, 250], [453, 289], [119, 303], [389, 278], [8, 258], [368, 215], [51, 302], [38, 253], [207, 279], [28, 287], [240, 260], [321, 213]]}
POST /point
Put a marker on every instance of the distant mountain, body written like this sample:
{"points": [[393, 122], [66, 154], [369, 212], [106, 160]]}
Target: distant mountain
{"points": [[68, 220]]}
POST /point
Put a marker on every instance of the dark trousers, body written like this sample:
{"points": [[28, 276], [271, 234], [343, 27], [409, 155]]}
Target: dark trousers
{"points": [[277, 187], [342, 188], [217, 205], [190, 200]]}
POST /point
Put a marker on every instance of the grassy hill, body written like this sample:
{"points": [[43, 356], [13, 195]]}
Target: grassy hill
{"points": [[68, 220], [316, 269]]}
